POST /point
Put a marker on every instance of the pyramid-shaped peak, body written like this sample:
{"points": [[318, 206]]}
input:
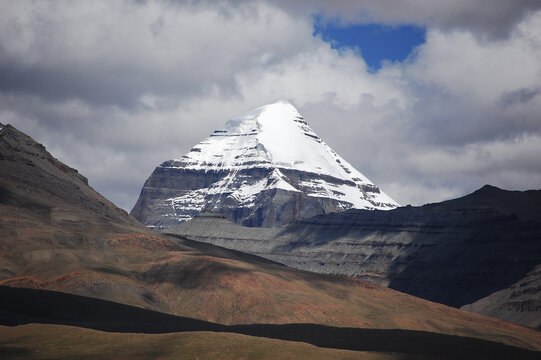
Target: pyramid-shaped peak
{"points": [[269, 153], [272, 136]]}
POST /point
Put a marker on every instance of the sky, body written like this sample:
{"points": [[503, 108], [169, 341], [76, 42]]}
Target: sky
{"points": [[375, 43], [429, 99]]}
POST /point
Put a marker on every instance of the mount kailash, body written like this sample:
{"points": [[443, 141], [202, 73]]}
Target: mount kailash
{"points": [[264, 168]]}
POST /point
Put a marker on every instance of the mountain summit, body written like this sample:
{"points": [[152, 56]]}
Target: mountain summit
{"points": [[264, 168]]}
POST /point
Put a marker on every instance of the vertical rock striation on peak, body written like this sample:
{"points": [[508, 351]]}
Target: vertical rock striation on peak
{"points": [[264, 168]]}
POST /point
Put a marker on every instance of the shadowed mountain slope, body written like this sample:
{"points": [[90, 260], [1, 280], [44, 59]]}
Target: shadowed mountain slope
{"points": [[33, 180], [519, 303]]}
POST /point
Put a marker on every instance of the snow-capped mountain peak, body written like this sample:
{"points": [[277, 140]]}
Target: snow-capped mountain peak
{"points": [[270, 149]]}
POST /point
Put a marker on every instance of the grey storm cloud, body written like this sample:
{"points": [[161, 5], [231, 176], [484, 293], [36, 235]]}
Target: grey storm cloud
{"points": [[519, 96], [103, 85], [114, 88]]}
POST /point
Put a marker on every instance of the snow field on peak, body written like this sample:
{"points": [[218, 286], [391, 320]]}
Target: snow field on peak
{"points": [[275, 136]]}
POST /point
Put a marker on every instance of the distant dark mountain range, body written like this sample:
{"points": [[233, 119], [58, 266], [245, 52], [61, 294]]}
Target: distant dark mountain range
{"points": [[455, 252]]}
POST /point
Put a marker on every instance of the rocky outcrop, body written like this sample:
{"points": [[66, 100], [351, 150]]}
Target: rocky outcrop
{"points": [[455, 252], [520, 303], [262, 169], [172, 195]]}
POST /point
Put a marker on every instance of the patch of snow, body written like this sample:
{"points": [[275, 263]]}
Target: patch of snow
{"points": [[278, 181]]}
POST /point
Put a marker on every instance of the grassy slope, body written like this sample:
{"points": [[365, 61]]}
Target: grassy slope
{"points": [[20, 306], [67, 342]]}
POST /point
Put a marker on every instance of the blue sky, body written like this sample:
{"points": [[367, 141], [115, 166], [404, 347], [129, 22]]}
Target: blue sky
{"points": [[374, 42]]}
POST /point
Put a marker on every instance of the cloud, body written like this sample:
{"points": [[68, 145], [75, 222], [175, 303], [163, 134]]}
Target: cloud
{"points": [[115, 88], [491, 19], [461, 81], [113, 53], [520, 96]]}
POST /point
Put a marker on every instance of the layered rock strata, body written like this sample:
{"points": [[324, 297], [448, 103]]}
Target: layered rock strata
{"points": [[455, 252]]}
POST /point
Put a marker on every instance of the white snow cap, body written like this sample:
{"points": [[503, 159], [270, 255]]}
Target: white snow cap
{"points": [[277, 136]]}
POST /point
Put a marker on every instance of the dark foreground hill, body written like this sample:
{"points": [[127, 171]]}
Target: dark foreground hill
{"points": [[18, 306], [58, 234], [455, 252]]}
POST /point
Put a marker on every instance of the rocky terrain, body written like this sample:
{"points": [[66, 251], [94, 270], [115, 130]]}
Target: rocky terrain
{"points": [[519, 303], [264, 168], [58, 234], [455, 252]]}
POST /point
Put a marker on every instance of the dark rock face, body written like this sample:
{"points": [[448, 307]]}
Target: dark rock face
{"points": [[455, 252], [266, 208]]}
